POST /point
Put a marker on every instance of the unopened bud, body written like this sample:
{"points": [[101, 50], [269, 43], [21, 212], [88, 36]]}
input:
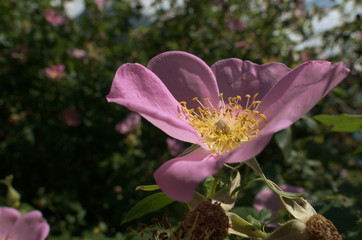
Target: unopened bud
{"points": [[13, 197]]}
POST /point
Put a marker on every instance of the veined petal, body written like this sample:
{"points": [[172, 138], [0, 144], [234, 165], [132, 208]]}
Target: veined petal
{"points": [[141, 91], [298, 91], [8, 217], [248, 149], [237, 77], [186, 76], [31, 226], [179, 177]]}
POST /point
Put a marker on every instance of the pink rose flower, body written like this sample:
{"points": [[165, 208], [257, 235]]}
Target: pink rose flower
{"points": [[222, 108], [175, 147], [129, 123], [100, 4], [53, 17], [77, 53], [55, 71], [31, 226], [71, 117], [237, 25], [240, 44]]}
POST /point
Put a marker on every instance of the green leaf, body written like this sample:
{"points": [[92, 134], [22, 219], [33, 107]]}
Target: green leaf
{"points": [[147, 205], [357, 150], [284, 142], [244, 212], [342, 122], [148, 187]]}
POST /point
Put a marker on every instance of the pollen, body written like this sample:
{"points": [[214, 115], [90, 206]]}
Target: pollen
{"points": [[227, 126]]}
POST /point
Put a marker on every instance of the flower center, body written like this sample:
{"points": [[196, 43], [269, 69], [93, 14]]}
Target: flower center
{"points": [[227, 127]]}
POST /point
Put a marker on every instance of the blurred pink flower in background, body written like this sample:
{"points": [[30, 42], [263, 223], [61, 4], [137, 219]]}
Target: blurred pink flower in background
{"points": [[53, 17], [71, 117], [54, 72], [31, 226], [20, 52], [237, 25], [77, 53], [175, 147], [304, 56], [240, 44], [129, 123], [100, 4], [267, 199]]}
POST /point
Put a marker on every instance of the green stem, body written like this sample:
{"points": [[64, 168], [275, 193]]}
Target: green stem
{"points": [[214, 185]]}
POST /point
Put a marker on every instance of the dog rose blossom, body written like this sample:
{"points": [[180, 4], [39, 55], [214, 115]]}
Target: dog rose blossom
{"points": [[31, 226], [230, 110]]}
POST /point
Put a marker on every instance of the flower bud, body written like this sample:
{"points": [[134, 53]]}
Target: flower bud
{"points": [[13, 197]]}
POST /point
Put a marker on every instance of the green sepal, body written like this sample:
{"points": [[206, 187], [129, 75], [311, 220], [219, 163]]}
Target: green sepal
{"points": [[243, 228], [148, 187], [294, 229], [147, 205], [253, 163], [195, 201], [188, 150], [226, 195]]}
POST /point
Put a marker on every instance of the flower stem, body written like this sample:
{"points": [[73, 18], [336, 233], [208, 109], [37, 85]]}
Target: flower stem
{"points": [[214, 185]]}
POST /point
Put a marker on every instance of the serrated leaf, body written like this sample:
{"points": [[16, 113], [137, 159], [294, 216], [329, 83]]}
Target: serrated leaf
{"points": [[148, 187], [147, 205], [244, 212], [342, 122]]}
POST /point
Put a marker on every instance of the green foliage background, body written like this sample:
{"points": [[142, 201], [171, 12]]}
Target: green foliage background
{"points": [[83, 178]]}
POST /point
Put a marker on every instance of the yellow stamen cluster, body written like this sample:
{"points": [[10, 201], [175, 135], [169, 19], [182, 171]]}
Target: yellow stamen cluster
{"points": [[227, 127]]}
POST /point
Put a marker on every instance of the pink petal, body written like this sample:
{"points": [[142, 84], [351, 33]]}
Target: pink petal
{"points": [[8, 216], [298, 91], [31, 226], [237, 77], [248, 149], [141, 91], [179, 177], [186, 76]]}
